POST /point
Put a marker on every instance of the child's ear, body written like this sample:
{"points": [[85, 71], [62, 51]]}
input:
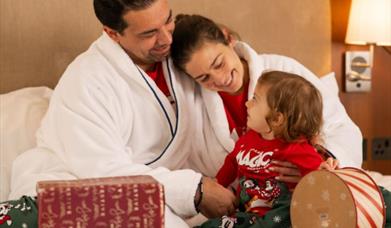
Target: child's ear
{"points": [[278, 119]]}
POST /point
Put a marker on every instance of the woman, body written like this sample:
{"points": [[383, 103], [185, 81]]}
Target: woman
{"points": [[227, 74]]}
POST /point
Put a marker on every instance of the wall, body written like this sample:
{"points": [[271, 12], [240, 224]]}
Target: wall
{"points": [[370, 111], [39, 38], [298, 28]]}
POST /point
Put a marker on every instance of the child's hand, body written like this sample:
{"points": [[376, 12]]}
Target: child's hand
{"points": [[330, 164]]}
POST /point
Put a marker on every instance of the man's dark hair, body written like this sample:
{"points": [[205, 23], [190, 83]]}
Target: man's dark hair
{"points": [[110, 12]]}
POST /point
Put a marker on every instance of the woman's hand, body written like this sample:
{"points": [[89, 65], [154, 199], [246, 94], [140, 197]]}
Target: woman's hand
{"points": [[330, 164], [288, 171]]}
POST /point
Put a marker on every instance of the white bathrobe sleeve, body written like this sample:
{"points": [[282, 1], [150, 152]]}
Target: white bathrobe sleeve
{"points": [[341, 136], [90, 124]]}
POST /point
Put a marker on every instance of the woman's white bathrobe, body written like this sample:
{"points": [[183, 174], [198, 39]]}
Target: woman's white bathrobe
{"points": [[341, 136], [108, 118]]}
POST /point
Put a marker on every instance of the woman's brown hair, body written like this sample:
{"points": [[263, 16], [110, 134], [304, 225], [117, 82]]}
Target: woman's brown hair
{"points": [[298, 101], [191, 31]]}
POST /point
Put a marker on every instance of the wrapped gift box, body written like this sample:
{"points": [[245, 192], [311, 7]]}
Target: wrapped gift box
{"points": [[347, 198], [126, 201]]}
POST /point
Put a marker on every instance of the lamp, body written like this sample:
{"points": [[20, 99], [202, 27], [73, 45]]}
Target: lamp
{"points": [[369, 24]]}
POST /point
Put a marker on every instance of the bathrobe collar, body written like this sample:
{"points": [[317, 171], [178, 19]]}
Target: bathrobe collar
{"points": [[214, 103]]}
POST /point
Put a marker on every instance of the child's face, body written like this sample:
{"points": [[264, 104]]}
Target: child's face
{"points": [[257, 110]]}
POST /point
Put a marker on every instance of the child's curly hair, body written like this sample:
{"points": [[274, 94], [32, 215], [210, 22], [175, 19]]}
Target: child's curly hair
{"points": [[298, 101]]}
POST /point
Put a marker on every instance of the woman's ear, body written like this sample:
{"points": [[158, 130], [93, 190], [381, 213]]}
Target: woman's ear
{"points": [[231, 36]]}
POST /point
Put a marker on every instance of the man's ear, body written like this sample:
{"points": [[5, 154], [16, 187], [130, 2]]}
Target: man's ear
{"points": [[114, 35]]}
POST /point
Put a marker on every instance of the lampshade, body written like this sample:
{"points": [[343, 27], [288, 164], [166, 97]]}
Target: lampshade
{"points": [[369, 22]]}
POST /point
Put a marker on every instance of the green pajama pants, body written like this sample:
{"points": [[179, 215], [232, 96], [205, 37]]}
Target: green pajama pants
{"points": [[277, 217], [23, 213]]}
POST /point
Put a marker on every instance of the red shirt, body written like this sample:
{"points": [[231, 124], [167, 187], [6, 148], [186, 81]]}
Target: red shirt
{"points": [[158, 76], [252, 157], [236, 110]]}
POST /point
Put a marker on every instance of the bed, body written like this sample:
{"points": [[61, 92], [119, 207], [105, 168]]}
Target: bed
{"points": [[40, 38]]}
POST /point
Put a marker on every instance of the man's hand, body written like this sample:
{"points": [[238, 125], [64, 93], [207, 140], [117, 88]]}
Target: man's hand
{"points": [[330, 164], [216, 200], [288, 171]]}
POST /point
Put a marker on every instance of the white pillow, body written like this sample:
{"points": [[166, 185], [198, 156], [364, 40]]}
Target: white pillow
{"points": [[21, 112], [331, 82]]}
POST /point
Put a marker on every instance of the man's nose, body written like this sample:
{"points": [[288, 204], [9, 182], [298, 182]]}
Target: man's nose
{"points": [[165, 37]]}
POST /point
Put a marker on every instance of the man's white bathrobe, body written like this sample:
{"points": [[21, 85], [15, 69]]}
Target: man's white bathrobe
{"points": [[108, 118], [214, 139]]}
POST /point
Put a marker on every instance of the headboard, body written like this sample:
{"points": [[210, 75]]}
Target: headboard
{"points": [[39, 38]]}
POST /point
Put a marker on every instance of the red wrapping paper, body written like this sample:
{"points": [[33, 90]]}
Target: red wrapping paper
{"points": [[127, 201]]}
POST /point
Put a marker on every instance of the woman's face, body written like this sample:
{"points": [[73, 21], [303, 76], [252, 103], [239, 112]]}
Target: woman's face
{"points": [[216, 67]]}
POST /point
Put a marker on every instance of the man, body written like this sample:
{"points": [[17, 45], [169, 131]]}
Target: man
{"points": [[120, 109]]}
